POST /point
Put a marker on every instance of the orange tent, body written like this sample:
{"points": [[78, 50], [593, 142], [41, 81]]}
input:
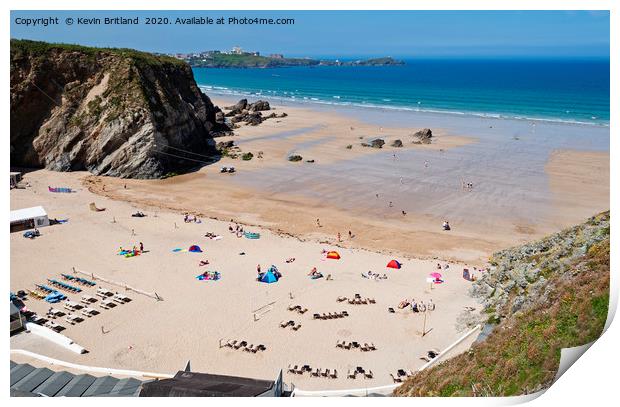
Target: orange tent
{"points": [[333, 255]]}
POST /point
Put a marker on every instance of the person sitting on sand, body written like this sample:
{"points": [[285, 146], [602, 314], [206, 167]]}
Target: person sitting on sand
{"points": [[258, 268], [430, 306], [414, 306], [290, 260], [313, 272], [230, 229], [438, 266], [421, 307], [446, 225], [384, 276], [203, 262]]}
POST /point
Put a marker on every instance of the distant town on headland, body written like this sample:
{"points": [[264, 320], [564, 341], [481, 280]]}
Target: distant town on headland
{"points": [[238, 58]]}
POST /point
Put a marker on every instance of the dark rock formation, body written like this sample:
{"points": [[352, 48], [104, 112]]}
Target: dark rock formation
{"points": [[423, 136], [397, 143], [375, 143], [295, 158], [259, 106], [113, 112]]}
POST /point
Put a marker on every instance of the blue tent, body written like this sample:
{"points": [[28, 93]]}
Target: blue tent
{"points": [[269, 278]]}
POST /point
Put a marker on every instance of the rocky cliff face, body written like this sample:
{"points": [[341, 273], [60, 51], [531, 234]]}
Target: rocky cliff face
{"points": [[112, 112]]}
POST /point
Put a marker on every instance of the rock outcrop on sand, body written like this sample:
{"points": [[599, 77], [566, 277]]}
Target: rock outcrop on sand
{"points": [[250, 113], [374, 143], [397, 143], [113, 112], [423, 136]]}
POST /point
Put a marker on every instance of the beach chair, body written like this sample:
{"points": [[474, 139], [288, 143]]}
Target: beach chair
{"points": [[283, 324], [104, 305], [296, 328], [300, 370], [340, 344], [372, 301], [396, 378], [334, 374], [302, 311], [316, 373], [372, 346], [261, 347], [348, 346], [294, 369], [325, 373], [316, 316], [290, 369], [248, 348], [108, 303], [351, 301], [345, 313], [425, 358], [364, 348], [368, 374], [341, 299], [230, 343], [351, 375]]}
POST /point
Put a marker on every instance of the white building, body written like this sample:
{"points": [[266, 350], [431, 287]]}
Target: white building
{"points": [[29, 218]]}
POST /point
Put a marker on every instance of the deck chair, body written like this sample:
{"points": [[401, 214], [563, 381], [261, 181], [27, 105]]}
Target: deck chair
{"points": [[325, 373], [334, 375], [316, 373], [368, 374], [295, 328]]}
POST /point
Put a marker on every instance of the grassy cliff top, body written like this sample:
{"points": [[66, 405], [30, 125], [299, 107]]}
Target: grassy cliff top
{"points": [[39, 48]]}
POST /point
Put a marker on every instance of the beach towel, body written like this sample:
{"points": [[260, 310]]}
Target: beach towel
{"points": [[61, 189], [251, 235]]}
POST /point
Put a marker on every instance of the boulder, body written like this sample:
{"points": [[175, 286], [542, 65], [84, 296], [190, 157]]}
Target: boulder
{"points": [[259, 105], [374, 143], [422, 136], [397, 143]]}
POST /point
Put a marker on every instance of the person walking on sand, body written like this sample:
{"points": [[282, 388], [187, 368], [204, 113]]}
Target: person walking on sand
{"points": [[350, 235], [258, 268], [339, 238], [318, 222], [141, 248], [390, 204]]}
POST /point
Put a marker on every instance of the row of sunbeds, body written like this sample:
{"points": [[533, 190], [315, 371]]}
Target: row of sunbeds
{"points": [[331, 315], [357, 300], [356, 345], [243, 345], [318, 372]]}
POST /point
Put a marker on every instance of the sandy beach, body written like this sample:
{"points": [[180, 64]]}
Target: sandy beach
{"points": [[194, 316]]}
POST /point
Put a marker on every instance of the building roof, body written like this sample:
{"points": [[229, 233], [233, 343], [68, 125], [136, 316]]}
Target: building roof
{"points": [[27, 213], [26, 380], [190, 384]]}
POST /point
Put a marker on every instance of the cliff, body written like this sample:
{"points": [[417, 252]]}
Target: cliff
{"points": [[538, 298], [115, 112]]}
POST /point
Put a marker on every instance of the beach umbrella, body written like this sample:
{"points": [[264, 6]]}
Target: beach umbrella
{"points": [[333, 255], [435, 275], [394, 264], [195, 249]]}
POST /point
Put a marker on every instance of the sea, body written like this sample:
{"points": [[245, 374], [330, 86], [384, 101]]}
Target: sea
{"points": [[556, 90]]}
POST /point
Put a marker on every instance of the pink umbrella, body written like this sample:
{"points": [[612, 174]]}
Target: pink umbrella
{"points": [[435, 275]]}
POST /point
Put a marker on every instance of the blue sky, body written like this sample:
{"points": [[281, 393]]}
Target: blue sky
{"points": [[349, 33]]}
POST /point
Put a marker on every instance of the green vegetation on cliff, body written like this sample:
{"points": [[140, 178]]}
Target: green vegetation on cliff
{"points": [[522, 354], [28, 47]]}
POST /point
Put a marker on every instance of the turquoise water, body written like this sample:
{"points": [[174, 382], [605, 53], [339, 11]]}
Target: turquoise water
{"points": [[555, 90]]}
